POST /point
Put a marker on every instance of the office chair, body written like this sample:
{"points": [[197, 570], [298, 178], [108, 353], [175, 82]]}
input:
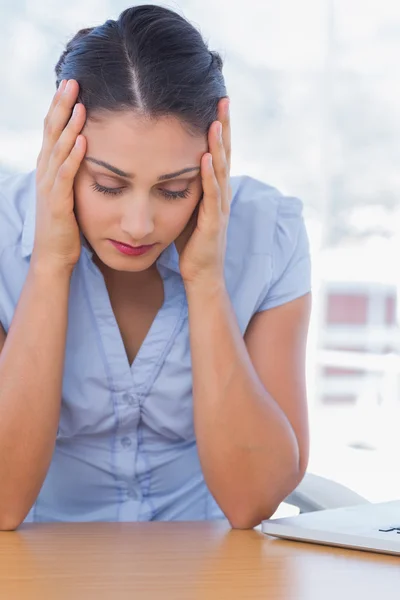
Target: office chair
{"points": [[318, 493]]}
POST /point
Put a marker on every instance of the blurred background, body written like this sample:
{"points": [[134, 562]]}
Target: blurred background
{"points": [[315, 89]]}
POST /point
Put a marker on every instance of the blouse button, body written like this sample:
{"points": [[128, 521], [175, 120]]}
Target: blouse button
{"points": [[126, 442], [129, 398]]}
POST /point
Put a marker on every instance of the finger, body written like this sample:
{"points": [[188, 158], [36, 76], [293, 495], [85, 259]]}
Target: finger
{"points": [[221, 167], [66, 141], [64, 181], [53, 104], [56, 98], [58, 120], [224, 117], [211, 191]]}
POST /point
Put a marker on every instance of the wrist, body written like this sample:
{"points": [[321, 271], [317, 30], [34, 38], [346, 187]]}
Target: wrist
{"points": [[50, 269], [205, 289]]}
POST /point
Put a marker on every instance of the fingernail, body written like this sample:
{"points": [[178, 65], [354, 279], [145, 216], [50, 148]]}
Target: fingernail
{"points": [[68, 86], [220, 131]]}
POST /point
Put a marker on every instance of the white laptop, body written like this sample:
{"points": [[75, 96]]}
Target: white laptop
{"points": [[371, 527]]}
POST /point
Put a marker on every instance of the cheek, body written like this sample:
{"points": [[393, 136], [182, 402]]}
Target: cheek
{"points": [[176, 215], [89, 208], [89, 204], [83, 209]]}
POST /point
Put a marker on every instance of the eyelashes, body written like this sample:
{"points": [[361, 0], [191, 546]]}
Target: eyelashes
{"points": [[106, 191], [170, 195]]}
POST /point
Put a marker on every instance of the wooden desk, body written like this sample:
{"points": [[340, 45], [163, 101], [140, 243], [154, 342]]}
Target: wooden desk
{"points": [[173, 561]]}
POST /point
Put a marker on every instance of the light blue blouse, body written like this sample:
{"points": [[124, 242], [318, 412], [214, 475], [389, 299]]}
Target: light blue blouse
{"points": [[126, 447]]}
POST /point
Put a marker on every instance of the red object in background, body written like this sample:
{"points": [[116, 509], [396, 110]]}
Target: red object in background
{"points": [[390, 310], [351, 318], [347, 309]]}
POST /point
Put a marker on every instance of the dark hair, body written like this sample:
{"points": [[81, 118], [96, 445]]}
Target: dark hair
{"points": [[151, 60]]}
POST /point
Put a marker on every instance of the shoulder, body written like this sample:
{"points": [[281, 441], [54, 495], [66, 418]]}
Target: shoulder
{"points": [[267, 249], [262, 218], [17, 192]]}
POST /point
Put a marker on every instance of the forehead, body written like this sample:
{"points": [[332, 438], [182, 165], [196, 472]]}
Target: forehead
{"points": [[138, 144]]}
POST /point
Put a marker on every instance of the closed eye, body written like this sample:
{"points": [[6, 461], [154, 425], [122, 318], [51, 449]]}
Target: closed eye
{"points": [[169, 194], [107, 191], [173, 195]]}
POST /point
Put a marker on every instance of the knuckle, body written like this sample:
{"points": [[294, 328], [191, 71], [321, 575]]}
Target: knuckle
{"points": [[50, 129], [42, 188], [39, 185], [64, 104], [64, 171], [214, 229], [224, 168], [58, 150], [217, 193], [42, 182]]}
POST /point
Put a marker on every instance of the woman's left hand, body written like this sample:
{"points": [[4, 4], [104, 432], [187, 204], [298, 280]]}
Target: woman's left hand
{"points": [[202, 259]]}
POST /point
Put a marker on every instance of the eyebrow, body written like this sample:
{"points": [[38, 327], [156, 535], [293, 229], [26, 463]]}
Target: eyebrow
{"points": [[121, 173]]}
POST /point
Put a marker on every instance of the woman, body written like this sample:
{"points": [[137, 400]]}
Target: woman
{"points": [[154, 311]]}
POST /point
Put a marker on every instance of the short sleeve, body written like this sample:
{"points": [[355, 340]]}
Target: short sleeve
{"points": [[291, 267], [3, 319], [15, 194]]}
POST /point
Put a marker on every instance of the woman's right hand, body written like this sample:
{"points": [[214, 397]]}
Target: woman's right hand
{"points": [[57, 240]]}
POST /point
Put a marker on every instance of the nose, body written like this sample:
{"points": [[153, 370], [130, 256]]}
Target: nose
{"points": [[137, 221]]}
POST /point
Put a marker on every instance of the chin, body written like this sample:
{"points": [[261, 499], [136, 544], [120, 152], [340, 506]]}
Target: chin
{"points": [[137, 267]]}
